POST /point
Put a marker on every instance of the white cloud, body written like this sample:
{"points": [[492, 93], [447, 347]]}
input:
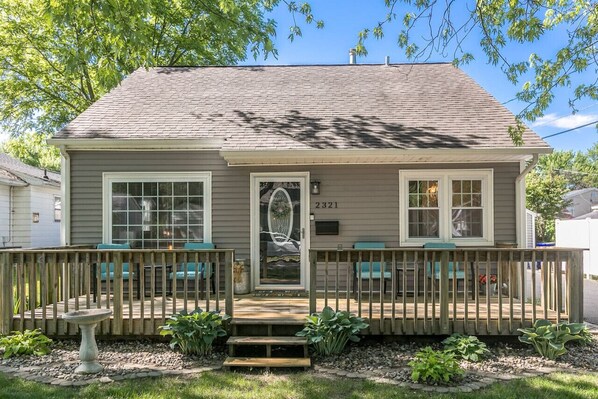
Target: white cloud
{"points": [[3, 137], [565, 122]]}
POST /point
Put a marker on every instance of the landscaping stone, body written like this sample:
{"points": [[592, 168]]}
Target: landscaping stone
{"points": [[376, 361]]}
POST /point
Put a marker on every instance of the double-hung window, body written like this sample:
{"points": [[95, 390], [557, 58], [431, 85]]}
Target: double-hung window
{"points": [[446, 206], [157, 210]]}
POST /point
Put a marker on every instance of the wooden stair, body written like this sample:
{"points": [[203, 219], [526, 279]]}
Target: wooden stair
{"points": [[268, 341]]}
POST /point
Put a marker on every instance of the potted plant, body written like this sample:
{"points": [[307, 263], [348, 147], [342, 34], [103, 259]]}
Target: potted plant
{"points": [[492, 280], [241, 277]]}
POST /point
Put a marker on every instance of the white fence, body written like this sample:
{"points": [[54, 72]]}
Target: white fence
{"points": [[580, 234]]}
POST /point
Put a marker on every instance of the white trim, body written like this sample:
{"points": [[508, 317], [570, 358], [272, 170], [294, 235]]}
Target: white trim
{"points": [[255, 179], [65, 178], [520, 215], [378, 156], [110, 177], [444, 177], [137, 144]]}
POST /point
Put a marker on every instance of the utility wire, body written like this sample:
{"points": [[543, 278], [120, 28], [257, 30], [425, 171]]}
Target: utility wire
{"points": [[570, 130]]}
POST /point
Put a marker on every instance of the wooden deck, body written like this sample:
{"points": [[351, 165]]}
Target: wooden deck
{"points": [[537, 284], [144, 317]]}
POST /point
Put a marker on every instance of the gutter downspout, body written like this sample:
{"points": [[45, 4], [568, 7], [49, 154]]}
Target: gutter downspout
{"points": [[10, 216], [520, 220], [11, 210], [65, 173]]}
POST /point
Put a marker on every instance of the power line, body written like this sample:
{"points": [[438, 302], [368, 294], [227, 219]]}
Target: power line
{"points": [[570, 130]]}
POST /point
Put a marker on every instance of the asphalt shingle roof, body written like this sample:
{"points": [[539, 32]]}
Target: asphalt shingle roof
{"points": [[303, 107], [13, 169]]}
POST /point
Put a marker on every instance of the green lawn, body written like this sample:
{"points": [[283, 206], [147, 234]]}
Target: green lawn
{"points": [[297, 386]]}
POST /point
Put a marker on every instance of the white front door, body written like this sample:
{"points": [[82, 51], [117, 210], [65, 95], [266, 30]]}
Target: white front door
{"points": [[279, 230]]}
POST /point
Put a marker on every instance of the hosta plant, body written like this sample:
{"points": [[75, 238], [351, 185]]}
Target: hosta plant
{"points": [[549, 339], [194, 333], [29, 342], [329, 332], [432, 367], [466, 347]]}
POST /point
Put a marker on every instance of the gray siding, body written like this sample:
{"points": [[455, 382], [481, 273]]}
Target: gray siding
{"points": [[367, 196]]}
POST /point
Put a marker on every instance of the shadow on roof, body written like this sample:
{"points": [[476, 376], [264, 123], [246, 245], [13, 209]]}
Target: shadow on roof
{"points": [[357, 131]]}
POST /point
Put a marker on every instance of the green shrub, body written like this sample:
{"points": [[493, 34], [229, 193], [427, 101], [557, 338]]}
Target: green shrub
{"points": [[549, 339], [430, 366], [30, 342], [195, 332], [330, 331], [586, 336], [466, 347]]}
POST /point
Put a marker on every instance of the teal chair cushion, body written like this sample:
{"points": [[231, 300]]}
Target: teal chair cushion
{"points": [[453, 273], [374, 266], [375, 275], [193, 268], [108, 270]]}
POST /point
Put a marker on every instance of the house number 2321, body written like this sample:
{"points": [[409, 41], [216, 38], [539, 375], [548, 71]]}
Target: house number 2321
{"points": [[325, 205]]}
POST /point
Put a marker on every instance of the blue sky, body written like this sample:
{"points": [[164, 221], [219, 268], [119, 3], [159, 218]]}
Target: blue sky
{"points": [[345, 18]]}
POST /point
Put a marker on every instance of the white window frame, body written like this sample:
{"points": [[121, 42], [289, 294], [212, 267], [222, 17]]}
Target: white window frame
{"points": [[149, 177], [445, 178], [57, 210]]}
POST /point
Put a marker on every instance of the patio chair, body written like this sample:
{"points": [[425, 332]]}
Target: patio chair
{"points": [[375, 268], [107, 269], [199, 269], [453, 268]]}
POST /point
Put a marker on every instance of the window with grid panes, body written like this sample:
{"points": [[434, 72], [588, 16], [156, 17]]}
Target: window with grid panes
{"points": [[446, 206], [157, 213]]}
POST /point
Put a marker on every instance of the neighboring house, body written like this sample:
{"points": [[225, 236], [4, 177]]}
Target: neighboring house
{"points": [[30, 205], [274, 160], [580, 202]]}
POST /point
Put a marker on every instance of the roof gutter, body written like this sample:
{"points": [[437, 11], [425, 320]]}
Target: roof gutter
{"points": [[136, 144], [381, 155]]}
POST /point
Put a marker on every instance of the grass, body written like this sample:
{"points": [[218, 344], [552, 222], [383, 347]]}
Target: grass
{"points": [[224, 385]]}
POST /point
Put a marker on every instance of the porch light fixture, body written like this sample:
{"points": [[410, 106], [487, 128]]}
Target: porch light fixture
{"points": [[315, 187]]}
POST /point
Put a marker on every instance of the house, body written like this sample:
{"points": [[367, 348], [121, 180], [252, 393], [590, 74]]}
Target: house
{"points": [[274, 160], [30, 205], [580, 202], [390, 191]]}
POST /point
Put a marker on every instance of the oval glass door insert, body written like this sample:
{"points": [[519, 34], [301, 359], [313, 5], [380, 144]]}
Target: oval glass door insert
{"points": [[280, 216]]}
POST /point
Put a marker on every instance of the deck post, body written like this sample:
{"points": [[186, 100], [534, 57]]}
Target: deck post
{"points": [[313, 268], [444, 295], [228, 284], [576, 287], [117, 320], [6, 294]]}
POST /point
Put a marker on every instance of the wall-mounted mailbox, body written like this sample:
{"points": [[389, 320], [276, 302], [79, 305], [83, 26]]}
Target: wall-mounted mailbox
{"points": [[327, 227]]}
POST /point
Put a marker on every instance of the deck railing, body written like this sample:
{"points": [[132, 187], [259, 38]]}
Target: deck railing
{"points": [[142, 287], [38, 286], [530, 284]]}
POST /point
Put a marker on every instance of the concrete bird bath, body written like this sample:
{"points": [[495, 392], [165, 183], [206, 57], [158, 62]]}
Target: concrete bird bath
{"points": [[87, 319]]}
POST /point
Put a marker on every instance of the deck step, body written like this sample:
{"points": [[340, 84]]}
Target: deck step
{"points": [[291, 321], [267, 362], [281, 340]]}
